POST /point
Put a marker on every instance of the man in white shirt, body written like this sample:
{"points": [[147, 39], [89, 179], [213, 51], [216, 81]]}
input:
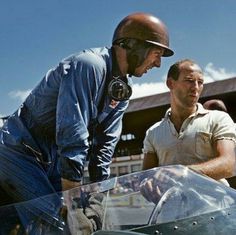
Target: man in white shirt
{"points": [[201, 139]]}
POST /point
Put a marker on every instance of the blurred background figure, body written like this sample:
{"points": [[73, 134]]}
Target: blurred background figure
{"points": [[215, 104]]}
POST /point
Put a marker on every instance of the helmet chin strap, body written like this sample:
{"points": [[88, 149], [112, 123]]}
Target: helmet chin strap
{"points": [[118, 88], [136, 56]]}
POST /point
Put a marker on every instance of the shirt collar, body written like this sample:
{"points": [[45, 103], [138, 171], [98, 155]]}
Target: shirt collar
{"points": [[200, 110]]}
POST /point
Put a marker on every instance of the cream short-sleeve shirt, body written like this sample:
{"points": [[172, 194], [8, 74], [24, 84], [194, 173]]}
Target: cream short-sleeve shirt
{"points": [[194, 142]]}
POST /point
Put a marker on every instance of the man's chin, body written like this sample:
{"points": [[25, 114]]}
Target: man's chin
{"points": [[138, 75]]}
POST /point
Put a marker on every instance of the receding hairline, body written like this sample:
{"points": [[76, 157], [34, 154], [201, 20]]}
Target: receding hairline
{"points": [[175, 68], [191, 63]]}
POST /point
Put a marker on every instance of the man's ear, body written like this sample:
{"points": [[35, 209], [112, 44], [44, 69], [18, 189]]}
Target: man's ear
{"points": [[169, 82]]}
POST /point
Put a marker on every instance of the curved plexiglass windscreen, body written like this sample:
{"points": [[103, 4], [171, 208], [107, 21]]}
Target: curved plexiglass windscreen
{"points": [[155, 196]]}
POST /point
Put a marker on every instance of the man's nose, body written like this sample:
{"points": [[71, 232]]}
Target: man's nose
{"points": [[195, 84], [158, 62]]}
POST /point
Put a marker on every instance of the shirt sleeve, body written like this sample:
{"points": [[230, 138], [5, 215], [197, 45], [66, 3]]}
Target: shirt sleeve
{"points": [[106, 136], [147, 143], [74, 109], [224, 127]]}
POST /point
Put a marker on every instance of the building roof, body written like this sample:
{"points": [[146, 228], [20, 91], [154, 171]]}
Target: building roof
{"points": [[144, 112], [215, 88]]}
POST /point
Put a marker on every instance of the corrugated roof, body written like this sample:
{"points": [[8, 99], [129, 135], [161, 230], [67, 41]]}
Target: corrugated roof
{"points": [[210, 89], [219, 87]]}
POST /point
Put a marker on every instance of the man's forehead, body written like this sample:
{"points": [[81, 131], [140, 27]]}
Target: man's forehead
{"points": [[190, 66]]}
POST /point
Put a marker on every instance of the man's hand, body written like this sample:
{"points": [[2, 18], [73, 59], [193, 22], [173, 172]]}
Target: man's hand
{"points": [[87, 218], [153, 187], [150, 191]]}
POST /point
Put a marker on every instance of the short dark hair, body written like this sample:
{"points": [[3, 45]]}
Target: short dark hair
{"points": [[215, 104], [174, 71]]}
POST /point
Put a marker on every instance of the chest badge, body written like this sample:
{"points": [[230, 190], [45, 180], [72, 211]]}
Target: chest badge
{"points": [[113, 103]]}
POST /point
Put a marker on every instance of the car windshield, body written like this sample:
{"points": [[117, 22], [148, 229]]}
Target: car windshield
{"points": [[118, 204]]}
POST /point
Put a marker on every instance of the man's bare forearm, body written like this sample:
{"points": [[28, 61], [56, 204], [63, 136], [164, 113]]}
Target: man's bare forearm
{"points": [[215, 168]]}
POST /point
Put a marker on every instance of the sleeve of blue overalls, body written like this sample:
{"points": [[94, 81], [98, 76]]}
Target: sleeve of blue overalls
{"points": [[106, 137], [78, 87]]}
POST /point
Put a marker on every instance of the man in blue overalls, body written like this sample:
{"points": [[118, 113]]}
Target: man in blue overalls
{"points": [[74, 114]]}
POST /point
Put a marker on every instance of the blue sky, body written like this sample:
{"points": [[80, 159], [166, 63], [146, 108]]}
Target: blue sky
{"points": [[36, 35]]}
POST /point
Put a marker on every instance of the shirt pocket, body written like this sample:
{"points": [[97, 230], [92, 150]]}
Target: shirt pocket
{"points": [[203, 145]]}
